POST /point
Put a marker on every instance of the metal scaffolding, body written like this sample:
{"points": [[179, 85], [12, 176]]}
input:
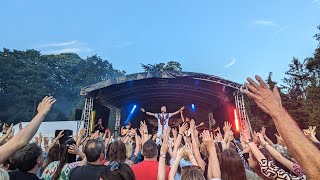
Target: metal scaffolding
{"points": [[240, 105], [87, 114]]}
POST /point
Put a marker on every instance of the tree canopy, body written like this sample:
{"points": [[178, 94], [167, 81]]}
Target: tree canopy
{"points": [[170, 66], [27, 76]]}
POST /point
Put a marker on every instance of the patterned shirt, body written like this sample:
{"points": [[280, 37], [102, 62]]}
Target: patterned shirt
{"points": [[52, 167], [270, 170]]}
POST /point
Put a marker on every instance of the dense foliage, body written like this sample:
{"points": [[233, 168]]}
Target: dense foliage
{"points": [[27, 76], [300, 92]]}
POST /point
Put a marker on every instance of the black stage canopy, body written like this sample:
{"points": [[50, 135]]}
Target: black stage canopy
{"points": [[151, 90]]}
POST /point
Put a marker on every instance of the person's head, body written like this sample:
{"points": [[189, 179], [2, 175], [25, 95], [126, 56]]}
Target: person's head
{"points": [[4, 174], [117, 151], [129, 149], [231, 166], [53, 155], [117, 171], [149, 149], [64, 156], [191, 173], [29, 158], [94, 151], [100, 121], [163, 109]]}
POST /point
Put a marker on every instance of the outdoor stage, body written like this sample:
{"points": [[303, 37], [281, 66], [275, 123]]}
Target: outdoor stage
{"points": [[119, 99]]}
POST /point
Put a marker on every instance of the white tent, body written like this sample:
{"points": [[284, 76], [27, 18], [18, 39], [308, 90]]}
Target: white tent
{"points": [[48, 128]]}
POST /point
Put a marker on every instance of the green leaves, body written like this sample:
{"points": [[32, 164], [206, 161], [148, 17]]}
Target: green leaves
{"points": [[170, 66], [27, 76]]}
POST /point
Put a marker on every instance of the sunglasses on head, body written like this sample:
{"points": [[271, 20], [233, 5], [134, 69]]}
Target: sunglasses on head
{"points": [[191, 167], [114, 166]]}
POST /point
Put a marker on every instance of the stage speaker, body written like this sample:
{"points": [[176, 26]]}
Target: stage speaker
{"points": [[78, 114], [67, 134]]}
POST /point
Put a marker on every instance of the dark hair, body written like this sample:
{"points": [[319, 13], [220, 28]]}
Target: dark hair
{"points": [[231, 166], [117, 152], [27, 157], [93, 149], [122, 172], [191, 173], [149, 149], [53, 155], [65, 157]]}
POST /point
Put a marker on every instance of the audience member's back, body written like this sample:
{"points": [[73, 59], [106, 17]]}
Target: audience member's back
{"points": [[148, 169], [29, 161], [94, 151]]}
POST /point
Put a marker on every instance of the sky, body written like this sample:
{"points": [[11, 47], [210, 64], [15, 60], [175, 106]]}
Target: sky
{"points": [[230, 39]]}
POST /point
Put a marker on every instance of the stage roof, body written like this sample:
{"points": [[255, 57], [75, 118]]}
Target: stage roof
{"points": [[162, 87]]}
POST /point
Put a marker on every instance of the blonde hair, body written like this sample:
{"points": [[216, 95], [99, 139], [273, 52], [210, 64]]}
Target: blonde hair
{"points": [[129, 150], [4, 174]]}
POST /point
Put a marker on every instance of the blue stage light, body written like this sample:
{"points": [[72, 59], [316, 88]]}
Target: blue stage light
{"points": [[134, 107], [193, 106]]}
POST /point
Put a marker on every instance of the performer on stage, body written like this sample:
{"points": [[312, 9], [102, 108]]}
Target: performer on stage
{"points": [[163, 118], [99, 126]]}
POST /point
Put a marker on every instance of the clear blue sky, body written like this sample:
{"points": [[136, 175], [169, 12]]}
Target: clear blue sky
{"points": [[231, 39]]}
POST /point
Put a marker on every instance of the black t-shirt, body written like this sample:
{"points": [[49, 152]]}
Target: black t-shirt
{"points": [[89, 171], [17, 175]]}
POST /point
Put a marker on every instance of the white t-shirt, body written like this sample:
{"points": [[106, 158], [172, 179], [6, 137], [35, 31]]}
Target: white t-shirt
{"points": [[165, 117]]}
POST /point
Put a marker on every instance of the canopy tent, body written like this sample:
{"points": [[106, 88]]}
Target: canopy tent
{"points": [[174, 89]]}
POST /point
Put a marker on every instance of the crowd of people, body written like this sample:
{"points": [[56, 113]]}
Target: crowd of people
{"points": [[177, 153]]}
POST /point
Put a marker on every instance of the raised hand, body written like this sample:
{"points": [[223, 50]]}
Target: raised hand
{"points": [[182, 108], [174, 132], [183, 128], [20, 125], [207, 138], [82, 132], [263, 131], [73, 149], [227, 127], [141, 109], [261, 139], [10, 129], [269, 101], [133, 132], [188, 151], [144, 126], [45, 141], [45, 105], [164, 148], [180, 153], [60, 135], [192, 125]]}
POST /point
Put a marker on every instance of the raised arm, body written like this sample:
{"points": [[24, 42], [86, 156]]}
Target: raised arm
{"points": [[213, 157], [175, 165], [177, 112], [274, 153], [162, 161], [182, 128], [195, 145], [5, 136], [27, 133], [149, 113], [298, 144]]}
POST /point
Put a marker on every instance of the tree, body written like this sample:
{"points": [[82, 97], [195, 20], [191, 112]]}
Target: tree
{"points": [[27, 76], [170, 66]]}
